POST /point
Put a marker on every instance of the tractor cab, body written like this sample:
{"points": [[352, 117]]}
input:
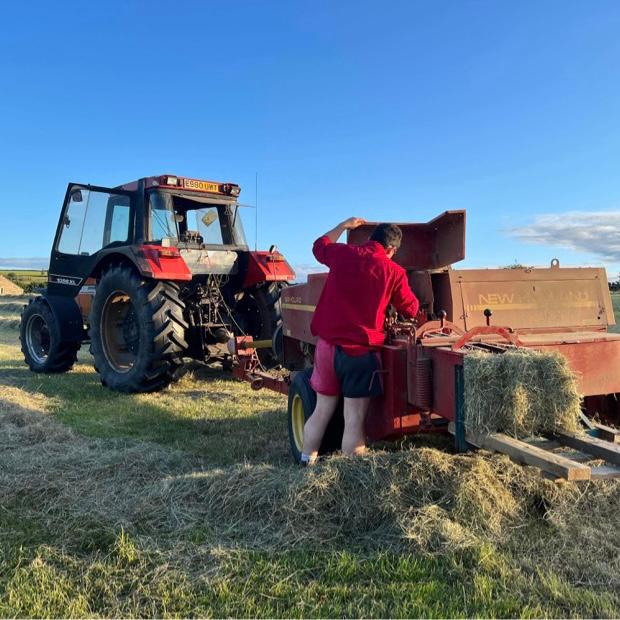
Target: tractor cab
{"points": [[205, 228], [152, 272]]}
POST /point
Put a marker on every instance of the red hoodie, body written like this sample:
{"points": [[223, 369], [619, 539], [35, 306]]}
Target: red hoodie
{"points": [[362, 281]]}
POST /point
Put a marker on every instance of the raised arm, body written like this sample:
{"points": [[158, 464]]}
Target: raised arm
{"points": [[326, 244]]}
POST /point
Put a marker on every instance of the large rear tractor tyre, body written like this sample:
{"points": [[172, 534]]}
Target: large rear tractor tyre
{"points": [[137, 331], [42, 345], [301, 403], [261, 316]]}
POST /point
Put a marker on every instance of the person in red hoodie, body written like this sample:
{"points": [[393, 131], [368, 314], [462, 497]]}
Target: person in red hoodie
{"points": [[349, 322]]}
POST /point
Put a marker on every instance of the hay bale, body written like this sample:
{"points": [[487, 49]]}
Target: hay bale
{"points": [[520, 393]]}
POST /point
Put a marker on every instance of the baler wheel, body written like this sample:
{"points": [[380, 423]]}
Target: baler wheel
{"points": [[137, 331], [301, 403]]}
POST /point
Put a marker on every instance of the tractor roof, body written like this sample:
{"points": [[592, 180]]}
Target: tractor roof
{"points": [[172, 181]]}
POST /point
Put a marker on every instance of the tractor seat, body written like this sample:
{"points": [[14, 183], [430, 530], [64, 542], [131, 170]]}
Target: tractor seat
{"points": [[192, 236]]}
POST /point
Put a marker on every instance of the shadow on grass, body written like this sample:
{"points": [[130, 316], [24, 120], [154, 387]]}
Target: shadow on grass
{"points": [[210, 414]]}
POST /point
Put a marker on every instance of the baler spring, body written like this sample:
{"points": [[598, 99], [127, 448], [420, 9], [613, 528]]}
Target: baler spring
{"points": [[423, 383]]}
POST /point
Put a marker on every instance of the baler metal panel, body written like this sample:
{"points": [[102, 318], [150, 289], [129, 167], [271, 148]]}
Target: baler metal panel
{"points": [[529, 299], [298, 304], [435, 244], [593, 357]]}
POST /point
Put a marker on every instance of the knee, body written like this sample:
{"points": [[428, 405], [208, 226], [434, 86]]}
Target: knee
{"points": [[322, 411]]}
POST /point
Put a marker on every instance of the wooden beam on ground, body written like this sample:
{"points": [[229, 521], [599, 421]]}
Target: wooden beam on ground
{"points": [[522, 452], [605, 472], [607, 433], [610, 452]]}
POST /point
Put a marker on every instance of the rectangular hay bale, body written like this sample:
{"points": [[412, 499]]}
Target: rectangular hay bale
{"points": [[521, 393]]}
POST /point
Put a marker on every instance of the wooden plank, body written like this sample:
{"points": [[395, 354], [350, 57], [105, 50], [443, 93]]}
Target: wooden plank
{"points": [[521, 452], [605, 472], [543, 442], [610, 452], [606, 433]]}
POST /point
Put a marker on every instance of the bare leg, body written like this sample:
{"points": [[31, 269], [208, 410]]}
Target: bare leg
{"points": [[314, 429], [354, 437]]}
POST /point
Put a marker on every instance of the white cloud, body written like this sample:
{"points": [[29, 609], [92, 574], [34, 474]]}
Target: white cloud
{"points": [[303, 270], [594, 232]]}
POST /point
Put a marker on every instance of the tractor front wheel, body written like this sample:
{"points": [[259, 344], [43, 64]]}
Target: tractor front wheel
{"points": [[42, 345], [301, 404], [137, 331]]}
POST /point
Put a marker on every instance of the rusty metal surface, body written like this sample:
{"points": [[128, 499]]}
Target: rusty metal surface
{"points": [[527, 299], [572, 337], [596, 364], [298, 303], [431, 245]]}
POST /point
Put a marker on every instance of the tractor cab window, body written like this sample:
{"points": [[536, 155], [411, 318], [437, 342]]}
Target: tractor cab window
{"points": [[93, 220], [208, 222], [117, 224], [162, 223]]}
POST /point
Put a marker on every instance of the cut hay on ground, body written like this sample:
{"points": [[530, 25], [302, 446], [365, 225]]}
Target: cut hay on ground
{"points": [[521, 393], [14, 308], [9, 323], [418, 500]]}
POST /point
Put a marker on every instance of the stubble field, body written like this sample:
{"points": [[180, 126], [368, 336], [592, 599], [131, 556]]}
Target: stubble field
{"points": [[186, 503]]}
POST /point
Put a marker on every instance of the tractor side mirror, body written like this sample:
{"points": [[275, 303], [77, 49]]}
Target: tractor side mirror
{"points": [[76, 195]]}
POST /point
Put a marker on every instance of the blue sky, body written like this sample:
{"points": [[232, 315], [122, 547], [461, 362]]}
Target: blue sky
{"points": [[393, 111]]}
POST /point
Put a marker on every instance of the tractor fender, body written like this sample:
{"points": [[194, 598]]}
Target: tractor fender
{"points": [[161, 263], [67, 316], [267, 267], [152, 262]]}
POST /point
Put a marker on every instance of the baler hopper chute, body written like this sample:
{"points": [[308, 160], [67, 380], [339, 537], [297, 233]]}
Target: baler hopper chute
{"points": [[548, 310]]}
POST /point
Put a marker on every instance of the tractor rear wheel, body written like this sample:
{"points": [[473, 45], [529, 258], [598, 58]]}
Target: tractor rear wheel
{"points": [[261, 316], [301, 403], [137, 331], [42, 344]]}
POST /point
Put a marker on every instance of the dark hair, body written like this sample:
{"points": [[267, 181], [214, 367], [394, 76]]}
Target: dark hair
{"points": [[386, 235]]}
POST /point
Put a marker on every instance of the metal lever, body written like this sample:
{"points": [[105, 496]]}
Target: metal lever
{"points": [[442, 317], [488, 313]]}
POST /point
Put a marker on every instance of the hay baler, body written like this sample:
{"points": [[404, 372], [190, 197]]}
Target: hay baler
{"points": [[461, 310]]}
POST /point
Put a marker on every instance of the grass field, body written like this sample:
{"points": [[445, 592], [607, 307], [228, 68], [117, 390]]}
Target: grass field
{"points": [[185, 503], [615, 299], [25, 277]]}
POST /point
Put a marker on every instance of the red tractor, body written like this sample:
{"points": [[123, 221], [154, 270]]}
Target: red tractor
{"points": [[152, 273]]}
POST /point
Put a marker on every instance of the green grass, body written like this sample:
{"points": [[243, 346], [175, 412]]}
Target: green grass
{"points": [[202, 414], [42, 577], [615, 300], [74, 555], [26, 277]]}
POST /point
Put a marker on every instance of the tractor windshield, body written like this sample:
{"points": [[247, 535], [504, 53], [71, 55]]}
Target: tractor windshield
{"points": [[195, 221]]}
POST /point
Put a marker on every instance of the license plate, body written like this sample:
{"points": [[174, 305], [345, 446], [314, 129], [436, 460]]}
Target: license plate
{"points": [[202, 186]]}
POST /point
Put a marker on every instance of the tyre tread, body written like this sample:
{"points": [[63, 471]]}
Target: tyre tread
{"points": [[166, 324]]}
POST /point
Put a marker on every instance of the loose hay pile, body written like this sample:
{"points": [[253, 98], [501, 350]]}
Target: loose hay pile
{"points": [[520, 393], [422, 500]]}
